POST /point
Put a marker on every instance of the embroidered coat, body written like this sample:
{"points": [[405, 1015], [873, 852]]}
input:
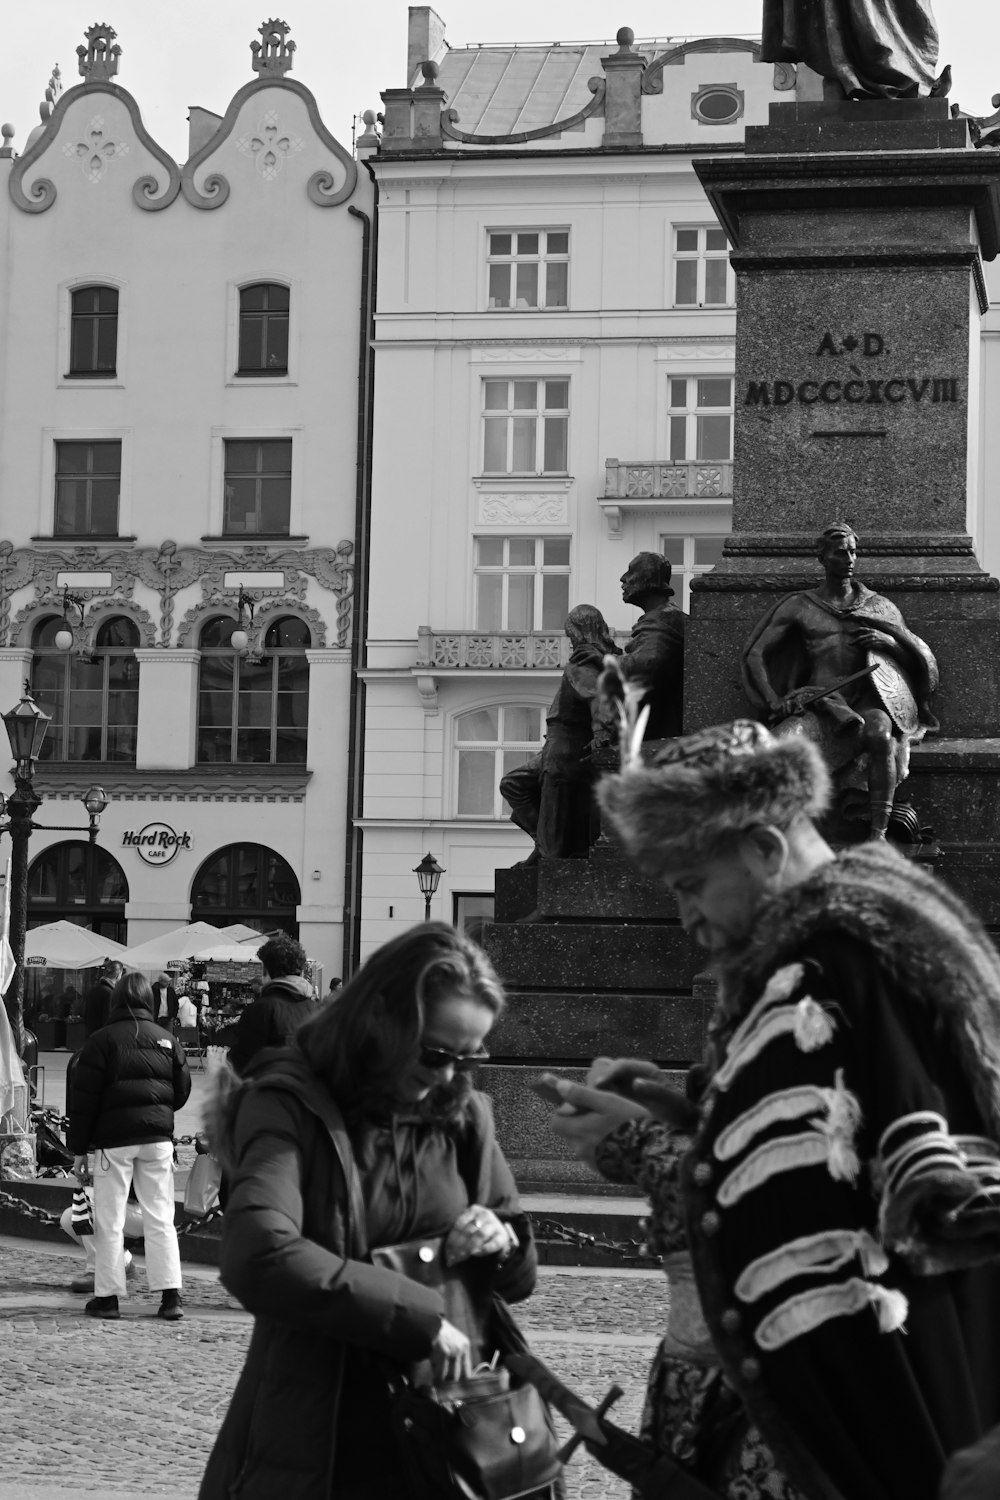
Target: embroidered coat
{"points": [[844, 1184]]}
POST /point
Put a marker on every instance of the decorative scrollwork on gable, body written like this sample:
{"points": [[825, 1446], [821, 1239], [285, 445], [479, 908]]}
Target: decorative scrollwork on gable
{"points": [[215, 190], [41, 193]]}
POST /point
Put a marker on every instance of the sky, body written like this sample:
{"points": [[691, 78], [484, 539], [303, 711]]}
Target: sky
{"points": [[176, 53]]}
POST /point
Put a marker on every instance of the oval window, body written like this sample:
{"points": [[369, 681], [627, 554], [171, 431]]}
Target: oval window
{"points": [[717, 105]]}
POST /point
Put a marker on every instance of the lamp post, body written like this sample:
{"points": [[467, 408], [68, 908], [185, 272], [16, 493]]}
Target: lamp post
{"points": [[26, 724], [428, 874]]}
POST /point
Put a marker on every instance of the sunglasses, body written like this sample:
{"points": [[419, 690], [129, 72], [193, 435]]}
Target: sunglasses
{"points": [[436, 1058]]}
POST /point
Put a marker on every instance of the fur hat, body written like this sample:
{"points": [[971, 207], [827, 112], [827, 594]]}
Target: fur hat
{"points": [[700, 793]]}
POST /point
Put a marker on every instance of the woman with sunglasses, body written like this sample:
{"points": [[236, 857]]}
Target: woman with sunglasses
{"points": [[380, 1077]]}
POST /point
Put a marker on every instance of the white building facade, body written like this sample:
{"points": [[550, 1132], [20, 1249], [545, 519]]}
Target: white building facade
{"points": [[554, 359], [179, 356], [554, 381]]}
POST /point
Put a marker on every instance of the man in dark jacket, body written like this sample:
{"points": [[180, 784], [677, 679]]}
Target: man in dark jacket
{"points": [[97, 1001], [285, 1001], [128, 1080]]}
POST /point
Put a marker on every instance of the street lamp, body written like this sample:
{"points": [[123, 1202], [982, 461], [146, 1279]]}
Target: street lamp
{"points": [[26, 724], [428, 874], [240, 640], [64, 635]]}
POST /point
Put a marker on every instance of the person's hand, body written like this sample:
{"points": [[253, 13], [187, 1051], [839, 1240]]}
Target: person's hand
{"points": [[451, 1354], [476, 1231], [875, 640], [81, 1171], [646, 1084], [587, 1115]]}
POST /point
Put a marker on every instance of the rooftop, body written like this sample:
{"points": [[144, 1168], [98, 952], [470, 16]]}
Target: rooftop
{"points": [[499, 88]]}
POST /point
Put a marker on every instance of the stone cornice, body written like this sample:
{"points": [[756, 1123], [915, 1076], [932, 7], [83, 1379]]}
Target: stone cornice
{"points": [[67, 781]]}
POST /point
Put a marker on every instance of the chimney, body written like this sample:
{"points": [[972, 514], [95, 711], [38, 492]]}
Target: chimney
{"points": [[424, 42], [202, 125]]}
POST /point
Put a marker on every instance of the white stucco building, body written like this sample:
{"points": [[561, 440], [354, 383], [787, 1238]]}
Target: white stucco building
{"points": [[553, 393], [179, 387]]}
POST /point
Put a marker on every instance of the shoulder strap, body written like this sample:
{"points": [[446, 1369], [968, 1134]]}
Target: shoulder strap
{"points": [[328, 1111]]}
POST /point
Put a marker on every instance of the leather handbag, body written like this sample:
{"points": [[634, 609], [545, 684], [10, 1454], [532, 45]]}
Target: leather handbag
{"points": [[485, 1438], [475, 1439]]}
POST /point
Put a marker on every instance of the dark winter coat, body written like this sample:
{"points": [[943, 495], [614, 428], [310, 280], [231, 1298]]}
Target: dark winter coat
{"points": [[97, 1006], [128, 1079], [291, 1253], [272, 1019]]}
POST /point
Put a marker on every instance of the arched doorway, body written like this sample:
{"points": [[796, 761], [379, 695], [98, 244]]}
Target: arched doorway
{"points": [[247, 883]]}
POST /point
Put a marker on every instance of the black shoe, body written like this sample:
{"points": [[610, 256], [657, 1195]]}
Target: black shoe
{"points": [[102, 1307], [170, 1306]]}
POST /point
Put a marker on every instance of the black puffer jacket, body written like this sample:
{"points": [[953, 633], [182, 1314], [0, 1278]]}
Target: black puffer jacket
{"points": [[272, 1019], [129, 1078]]}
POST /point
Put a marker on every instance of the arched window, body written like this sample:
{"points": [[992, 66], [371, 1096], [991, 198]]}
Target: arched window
{"points": [[93, 700], [489, 742], [78, 882], [254, 710], [93, 340], [263, 329], [247, 883]]}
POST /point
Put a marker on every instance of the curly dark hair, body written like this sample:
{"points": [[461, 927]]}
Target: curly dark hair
{"points": [[282, 955], [364, 1036]]}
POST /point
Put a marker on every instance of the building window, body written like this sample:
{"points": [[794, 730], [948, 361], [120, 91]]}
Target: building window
{"points": [[93, 339], [490, 742], [81, 883], [93, 700], [528, 268], [253, 712], [247, 883], [702, 274], [700, 411], [522, 582], [689, 556], [263, 329], [717, 104], [472, 912], [525, 426], [88, 486], [258, 486]]}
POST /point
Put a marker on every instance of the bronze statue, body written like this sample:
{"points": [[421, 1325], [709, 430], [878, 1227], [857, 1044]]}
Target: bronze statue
{"points": [[874, 49], [655, 654], [838, 665], [550, 795]]}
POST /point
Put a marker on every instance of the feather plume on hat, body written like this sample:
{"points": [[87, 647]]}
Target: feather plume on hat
{"points": [[702, 792]]}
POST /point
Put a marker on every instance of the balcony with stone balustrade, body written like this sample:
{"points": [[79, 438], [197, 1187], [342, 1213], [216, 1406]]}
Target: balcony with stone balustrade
{"points": [[636, 485]]}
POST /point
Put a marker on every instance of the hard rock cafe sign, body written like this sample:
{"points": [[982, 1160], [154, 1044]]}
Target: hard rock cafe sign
{"points": [[156, 843]]}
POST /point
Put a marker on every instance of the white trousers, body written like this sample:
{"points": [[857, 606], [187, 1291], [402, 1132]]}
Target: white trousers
{"points": [[151, 1167]]}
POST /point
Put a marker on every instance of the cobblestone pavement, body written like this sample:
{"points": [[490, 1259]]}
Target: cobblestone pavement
{"points": [[130, 1409]]}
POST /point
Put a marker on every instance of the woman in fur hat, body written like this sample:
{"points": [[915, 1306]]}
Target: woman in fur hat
{"points": [[834, 1174]]}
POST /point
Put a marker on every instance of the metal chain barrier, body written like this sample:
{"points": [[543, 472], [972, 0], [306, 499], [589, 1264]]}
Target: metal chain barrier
{"points": [[28, 1210], [551, 1229]]}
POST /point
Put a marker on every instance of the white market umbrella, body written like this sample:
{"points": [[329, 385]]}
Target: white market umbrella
{"points": [[225, 952], [64, 945], [182, 942], [239, 932]]}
